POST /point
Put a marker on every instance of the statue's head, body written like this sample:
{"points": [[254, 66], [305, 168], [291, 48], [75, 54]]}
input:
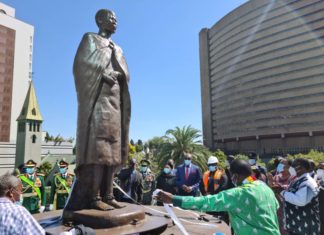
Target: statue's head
{"points": [[106, 21]]}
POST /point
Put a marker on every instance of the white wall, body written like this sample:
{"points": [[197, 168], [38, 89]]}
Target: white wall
{"points": [[9, 10], [8, 153]]}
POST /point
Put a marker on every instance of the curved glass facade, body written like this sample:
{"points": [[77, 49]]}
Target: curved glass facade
{"points": [[262, 77]]}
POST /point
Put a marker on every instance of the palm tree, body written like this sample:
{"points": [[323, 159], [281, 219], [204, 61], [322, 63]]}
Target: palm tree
{"points": [[180, 140]]}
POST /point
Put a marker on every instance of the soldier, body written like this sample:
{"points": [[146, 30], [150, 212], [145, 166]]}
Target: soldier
{"points": [[148, 182], [61, 187], [34, 196]]}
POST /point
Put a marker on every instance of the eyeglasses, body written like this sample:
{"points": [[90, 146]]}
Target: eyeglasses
{"points": [[187, 158]]}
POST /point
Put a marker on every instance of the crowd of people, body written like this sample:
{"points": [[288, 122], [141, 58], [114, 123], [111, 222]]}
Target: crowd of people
{"points": [[252, 200], [287, 200]]}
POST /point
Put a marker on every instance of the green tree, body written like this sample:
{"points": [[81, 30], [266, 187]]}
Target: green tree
{"points": [[45, 168], [180, 140], [155, 144], [221, 158], [48, 137], [139, 146], [314, 155], [132, 150]]}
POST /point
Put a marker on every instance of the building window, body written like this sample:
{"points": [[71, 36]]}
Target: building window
{"points": [[30, 126], [38, 127], [3, 11], [34, 111], [34, 127], [34, 139]]}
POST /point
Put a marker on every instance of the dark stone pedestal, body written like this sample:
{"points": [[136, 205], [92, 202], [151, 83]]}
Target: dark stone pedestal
{"points": [[126, 217], [131, 214], [153, 223]]}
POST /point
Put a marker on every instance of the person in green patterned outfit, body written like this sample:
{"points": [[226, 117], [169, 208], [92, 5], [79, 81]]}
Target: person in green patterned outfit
{"points": [[251, 205], [61, 187], [34, 196]]}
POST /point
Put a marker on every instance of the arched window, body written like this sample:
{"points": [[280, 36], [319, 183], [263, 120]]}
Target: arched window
{"points": [[34, 111], [3, 11], [34, 139]]}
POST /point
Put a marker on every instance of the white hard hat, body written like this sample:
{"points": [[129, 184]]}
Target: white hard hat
{"points": [[212, 160]]}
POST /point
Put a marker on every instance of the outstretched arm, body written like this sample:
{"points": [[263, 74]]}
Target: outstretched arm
{"points": [[223, 201]]}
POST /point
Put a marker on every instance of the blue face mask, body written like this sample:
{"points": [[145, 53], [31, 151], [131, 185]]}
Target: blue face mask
{"points": [[280, 168], [252, 162], [167, 170], [212, 168], [143, 168], [20, 202], [63, 170], [30, 170], [187, 162]]}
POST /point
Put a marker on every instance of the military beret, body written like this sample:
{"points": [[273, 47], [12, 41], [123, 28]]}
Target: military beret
{"points": [[30, 163], [63, 163], [145, 160]]}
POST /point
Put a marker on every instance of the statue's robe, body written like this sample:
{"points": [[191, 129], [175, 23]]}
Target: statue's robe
{"points": [[103, 109]]}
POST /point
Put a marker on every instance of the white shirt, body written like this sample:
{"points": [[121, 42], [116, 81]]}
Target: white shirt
{"points": [[303, 195], [16, 220]]}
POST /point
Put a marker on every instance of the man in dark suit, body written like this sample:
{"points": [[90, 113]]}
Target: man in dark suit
{"points": [[188, 177], [131, 181]]}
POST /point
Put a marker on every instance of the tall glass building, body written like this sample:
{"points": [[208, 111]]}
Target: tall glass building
{"points": [[262, 78]]}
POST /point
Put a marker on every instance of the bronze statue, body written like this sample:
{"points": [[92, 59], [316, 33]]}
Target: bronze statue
{"points": [[101, 80]]}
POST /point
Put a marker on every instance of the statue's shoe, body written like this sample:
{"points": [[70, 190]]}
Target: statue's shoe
{"points": [[99, 205], [114, 203]]}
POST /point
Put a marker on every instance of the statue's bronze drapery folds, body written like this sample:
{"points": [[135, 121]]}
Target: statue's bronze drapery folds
{"points": [[101, 80]]}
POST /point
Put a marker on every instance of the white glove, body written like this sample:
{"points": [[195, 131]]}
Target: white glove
{"points": [[51, 207], [41, 209], [71, 232]]}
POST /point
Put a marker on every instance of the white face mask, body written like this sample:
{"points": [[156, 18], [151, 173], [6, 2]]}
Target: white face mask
{"points": [[292, 171], [320, 174], [252, 161]]}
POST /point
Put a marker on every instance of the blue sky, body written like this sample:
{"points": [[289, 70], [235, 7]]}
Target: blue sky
{"points": [[160, 42]]}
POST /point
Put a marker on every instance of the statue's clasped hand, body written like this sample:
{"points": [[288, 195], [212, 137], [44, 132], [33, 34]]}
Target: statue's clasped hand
{"points": [[111, 78]]}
